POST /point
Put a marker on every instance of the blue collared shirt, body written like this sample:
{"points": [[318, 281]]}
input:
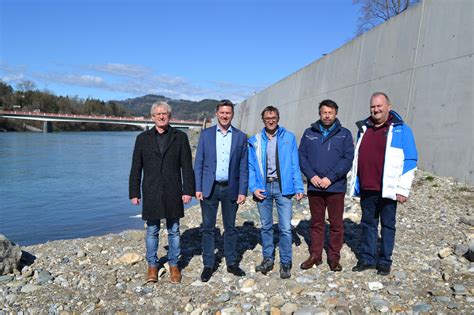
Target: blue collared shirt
{"points": [[223, 144]]}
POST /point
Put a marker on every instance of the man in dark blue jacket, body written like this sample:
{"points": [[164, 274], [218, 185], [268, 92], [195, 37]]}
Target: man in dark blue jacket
{"points": [[326, 152]]}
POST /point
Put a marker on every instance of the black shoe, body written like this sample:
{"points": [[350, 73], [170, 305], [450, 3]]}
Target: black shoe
{"points": [[265, 267], [206, 274], [383, 270], [285, 271], [235, 270], [361, 266]]}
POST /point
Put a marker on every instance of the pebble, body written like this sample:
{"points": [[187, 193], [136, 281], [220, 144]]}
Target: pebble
{"points": [[422, 308], [101, 283], [373, 286], [445, 252], [289, 308]]}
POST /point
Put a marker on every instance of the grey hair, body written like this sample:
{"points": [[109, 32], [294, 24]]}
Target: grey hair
{"points": [[381, 94], [161, 104]]}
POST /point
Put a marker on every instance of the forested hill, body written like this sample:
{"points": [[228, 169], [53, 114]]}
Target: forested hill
{"points": [[182, 109]]}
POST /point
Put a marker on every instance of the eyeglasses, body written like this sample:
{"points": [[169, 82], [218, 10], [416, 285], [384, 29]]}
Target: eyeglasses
{"points": [[271, 119]]}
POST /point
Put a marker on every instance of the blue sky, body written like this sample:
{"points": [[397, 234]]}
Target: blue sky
{"points": [[183, 49]]}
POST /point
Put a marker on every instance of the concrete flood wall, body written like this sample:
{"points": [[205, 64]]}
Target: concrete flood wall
{"points": [[422, 58]]}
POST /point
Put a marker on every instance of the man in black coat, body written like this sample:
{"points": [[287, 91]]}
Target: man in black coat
{"points": [[163, 156]]}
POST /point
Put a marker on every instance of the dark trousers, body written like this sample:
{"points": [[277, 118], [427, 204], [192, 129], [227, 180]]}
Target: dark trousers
{"points": [[334, 202], [375, 208], [209, 208]]}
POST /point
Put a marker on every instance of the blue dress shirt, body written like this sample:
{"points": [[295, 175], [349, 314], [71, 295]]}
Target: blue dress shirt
{"points": [[223, 144]]}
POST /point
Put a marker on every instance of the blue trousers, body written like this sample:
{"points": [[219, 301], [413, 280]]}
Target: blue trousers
{"points": [[375, 209], [265, 208], [152, 239], [209, 208]]}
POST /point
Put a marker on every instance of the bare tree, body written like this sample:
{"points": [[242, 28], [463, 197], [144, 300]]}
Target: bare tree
{"points": [[375, 12], [25, 85]]}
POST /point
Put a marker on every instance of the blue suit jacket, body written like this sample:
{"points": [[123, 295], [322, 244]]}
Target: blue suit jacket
{"points": [[206, 162]]}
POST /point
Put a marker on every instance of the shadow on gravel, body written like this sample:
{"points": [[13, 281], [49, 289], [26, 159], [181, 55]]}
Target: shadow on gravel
{"points": [[248, 236], [351, 234]]}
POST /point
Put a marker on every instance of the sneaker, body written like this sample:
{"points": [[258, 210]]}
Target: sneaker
{"points": [[285, 271], [265, 267], [361, 266], [383, 270]]}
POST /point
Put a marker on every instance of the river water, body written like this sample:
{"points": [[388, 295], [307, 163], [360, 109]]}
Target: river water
{"points": [[65, 185]]}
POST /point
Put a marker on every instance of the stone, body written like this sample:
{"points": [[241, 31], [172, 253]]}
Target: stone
{"points": [[373, 286], [10, 255], [247, 285], [130, 258], [276, 301], [303, 279], [288, 309], [461, 249], [44, 276], [224, 297], [445, 252], [421, 308], [188, 308], [470, 252], [6, 278], [28, 288], [80, 253], [467, 219], [459, 289]]}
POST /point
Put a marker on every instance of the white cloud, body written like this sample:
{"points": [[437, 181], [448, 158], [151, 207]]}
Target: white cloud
{"points": [[120, 69], [134, 80]]}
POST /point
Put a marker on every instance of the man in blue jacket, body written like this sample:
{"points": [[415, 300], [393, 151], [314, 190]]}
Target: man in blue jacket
{"points": [[382, 173], [274, 175], [221, 172], [326, 152]]}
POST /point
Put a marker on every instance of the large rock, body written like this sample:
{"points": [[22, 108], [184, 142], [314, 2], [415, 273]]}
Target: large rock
{"points": [[10, 255]]}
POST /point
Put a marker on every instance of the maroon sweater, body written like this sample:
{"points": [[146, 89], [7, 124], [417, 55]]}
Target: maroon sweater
{"points": [[372, 157]]}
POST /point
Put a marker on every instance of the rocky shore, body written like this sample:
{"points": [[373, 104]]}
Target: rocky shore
{"points": [[432, 271]]}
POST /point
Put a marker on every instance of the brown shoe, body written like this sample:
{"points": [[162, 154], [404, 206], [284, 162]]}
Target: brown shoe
{"points": [[310, 262], [175, 274], [152, 274], [334, 266]]}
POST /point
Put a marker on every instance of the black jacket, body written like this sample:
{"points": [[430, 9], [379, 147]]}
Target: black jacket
{"points": [[162, 183]]}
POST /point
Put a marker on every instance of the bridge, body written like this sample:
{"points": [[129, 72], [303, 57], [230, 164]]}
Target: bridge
{"points": [[49, 118]]}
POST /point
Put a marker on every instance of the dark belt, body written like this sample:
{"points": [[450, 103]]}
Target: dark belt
{"points": [[222, 182], [272, 179]]}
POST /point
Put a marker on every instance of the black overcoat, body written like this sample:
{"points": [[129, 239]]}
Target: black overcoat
{"points": [[165, 177]]}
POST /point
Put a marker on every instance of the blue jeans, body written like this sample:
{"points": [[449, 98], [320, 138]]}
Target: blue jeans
{"points": [[265, 208], [209, 208], [375, 208], [151, 241]]}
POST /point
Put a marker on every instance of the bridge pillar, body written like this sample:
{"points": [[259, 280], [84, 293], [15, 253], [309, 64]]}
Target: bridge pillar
{"points": [[47, 126]]}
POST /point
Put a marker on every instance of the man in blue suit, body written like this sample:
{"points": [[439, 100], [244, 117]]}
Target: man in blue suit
{"points": [[221, 172]]}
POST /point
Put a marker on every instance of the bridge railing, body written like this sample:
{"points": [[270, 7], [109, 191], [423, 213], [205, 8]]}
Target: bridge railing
{"points": [[98, 117]]}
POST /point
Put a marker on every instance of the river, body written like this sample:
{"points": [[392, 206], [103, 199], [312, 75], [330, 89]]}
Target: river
{"points": [[65, 185]]}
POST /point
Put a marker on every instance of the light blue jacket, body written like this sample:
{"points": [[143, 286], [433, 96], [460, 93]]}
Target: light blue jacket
{"points": [[400, 159], [288, 169]]}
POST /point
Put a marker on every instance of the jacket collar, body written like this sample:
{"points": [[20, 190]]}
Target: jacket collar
{"points": [[315, 126], [396, 120]]}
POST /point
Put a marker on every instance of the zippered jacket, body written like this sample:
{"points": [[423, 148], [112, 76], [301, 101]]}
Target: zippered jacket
{"points": [[288, 169], [400, 159], [329, 156]]}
